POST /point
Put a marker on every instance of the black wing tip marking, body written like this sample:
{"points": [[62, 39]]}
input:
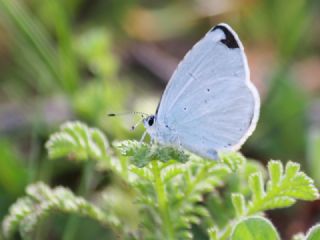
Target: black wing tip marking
{"points": [[230, 41]]}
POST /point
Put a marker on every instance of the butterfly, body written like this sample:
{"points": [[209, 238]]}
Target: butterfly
{"points": [[209, 105]]}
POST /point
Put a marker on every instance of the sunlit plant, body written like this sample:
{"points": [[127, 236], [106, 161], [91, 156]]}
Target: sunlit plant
{"points": [[163, 192]]}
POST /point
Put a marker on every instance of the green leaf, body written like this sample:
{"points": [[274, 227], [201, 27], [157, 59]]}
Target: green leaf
{"points": [[256, 186], [41, 201], [171, 189], [238, 202], [254, 228], [213, 233], [17, 212], [233, 160], [314, 233], [141, 153], [276, 171], [77, 141], [282, 189]]}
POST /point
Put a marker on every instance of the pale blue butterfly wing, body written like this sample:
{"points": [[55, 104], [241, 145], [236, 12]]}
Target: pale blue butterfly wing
{"points": [[209, 104]]}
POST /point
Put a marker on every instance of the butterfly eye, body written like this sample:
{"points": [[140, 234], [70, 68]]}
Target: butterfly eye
{"points": [[151, 121]]}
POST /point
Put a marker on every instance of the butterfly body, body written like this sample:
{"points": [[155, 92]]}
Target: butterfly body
{"points": [[209, 105]]}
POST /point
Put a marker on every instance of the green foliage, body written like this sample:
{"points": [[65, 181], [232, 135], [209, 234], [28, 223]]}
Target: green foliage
{"points": [[213, 233], [260, 228], [41, 201], [78, 141], [141, 153], [71, 50], [162, 190], [254, 228], [174, 187], [233, 161], [220, 203], [282, 189]]}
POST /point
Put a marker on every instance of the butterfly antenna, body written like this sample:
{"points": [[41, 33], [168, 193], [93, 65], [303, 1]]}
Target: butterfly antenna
{"points": [[128, 113], [143, 115]]}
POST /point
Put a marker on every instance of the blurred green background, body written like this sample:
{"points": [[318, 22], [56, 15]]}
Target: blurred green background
{"points": [[80, 59]]}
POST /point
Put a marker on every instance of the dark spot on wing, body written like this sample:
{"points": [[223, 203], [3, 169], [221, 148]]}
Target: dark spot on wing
{"points": [[208, 89], [230, 41], [212, 154], [185, 108]]}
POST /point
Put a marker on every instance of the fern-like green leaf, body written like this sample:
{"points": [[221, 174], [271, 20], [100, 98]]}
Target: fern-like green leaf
{"points": [[17, 212], [41, 200], [213, 233], [171, 185], [77, 141], [233, 160], [238, 202], [141, 153], [199, 177], [282, 189]]}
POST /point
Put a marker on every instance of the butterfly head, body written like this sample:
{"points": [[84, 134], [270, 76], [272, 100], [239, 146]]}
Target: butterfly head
{"points": [[149, 123]]}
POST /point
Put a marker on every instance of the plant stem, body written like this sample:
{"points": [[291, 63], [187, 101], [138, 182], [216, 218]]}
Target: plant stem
{"points": [[162, 201], [73, 221]]}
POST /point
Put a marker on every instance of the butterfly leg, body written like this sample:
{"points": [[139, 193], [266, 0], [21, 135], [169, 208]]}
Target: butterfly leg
{"points": [[179, 143], [153, 141], [143, 136], [176, 141]]}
